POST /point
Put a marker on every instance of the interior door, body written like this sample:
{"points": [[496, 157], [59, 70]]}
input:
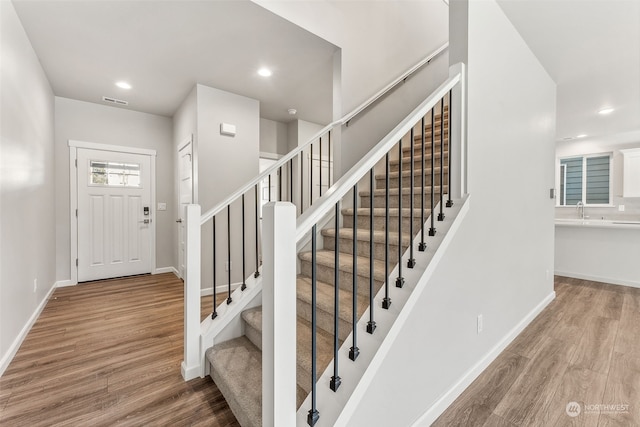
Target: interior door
{"points": [[186, 197], [114, 214]]}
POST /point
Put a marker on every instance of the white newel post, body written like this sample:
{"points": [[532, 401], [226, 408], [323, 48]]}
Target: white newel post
{"points": [[458, 132], [191, 363], [279, 314]]}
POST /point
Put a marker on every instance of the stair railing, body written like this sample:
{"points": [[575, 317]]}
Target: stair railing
{"points": [[292, 178], [436, 115]]}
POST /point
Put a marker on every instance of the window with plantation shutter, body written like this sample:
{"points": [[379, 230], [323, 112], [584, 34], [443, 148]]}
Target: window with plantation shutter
{"points": [[585, 179]]}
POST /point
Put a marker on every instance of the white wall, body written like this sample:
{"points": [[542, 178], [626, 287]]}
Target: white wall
{"points": [[223, 165], [273, 137], [593, 146], [85, 121], [378, 41], [500, 263], [27, 191]]}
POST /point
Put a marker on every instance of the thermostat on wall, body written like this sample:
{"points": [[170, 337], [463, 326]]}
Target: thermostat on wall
{"points": [[227, 129]]}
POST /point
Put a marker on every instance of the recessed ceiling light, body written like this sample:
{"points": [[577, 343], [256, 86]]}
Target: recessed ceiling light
{"points": [[123, 85], [582, 135], [265, 72], [605, 111]]}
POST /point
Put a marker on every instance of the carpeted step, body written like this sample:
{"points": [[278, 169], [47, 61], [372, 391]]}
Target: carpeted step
{"points": [[379, 218], [345, 243], [417, 162], [325, 270], [417, 148], [406, 177], [324, 345], [379, 197], [236, 368], [325, 305]]}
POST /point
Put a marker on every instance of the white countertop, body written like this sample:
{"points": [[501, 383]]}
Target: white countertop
{"points": [[598, 223]]}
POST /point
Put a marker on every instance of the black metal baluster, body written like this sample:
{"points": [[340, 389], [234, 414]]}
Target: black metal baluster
{"points": [[371, 324], [257, 273], [269, 183], [280, 184], [320, 167], [229, 300], [386, 302], [441, 214], [412, 261], [400, 279], [313, 416], [354, 351], [244, 266], [432, 229], [450, 201], [215, 303], [311, 176], [335, 379], [422, 246]]}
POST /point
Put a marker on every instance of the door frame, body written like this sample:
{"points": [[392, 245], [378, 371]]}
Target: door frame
{"points": [[73, 197], [194, 189]]}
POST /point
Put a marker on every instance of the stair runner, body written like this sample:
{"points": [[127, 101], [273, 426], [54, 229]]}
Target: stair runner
{"points": [[236, 365]]}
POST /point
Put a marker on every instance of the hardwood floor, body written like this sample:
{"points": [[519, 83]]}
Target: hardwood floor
{"points": [[107, 353], [584, 348]]}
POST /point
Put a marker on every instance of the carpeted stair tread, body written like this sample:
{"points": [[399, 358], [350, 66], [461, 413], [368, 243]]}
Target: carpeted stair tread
{"points": [[380, 212], [406, 191], [325, 300], [325, 258], [236, 368], [364, 235], [406, 172]]}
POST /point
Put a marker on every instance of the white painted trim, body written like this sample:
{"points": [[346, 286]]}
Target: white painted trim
{"points": [[110, 147], [607, 280], [219, 289], [270, 156], [73, 198], [166, 270], [456, 390], [65, 283], [17, 342], [73, 219], [191, 364]]}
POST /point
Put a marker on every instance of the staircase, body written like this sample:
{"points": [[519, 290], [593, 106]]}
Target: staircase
{"points": [[235, 365]]}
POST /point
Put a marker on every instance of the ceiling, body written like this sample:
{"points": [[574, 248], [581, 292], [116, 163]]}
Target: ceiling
{"points": [[591, 49], [164, 48]]}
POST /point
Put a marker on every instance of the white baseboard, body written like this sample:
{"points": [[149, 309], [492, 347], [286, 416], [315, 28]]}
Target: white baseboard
{"points": [[64, 283], [189, 373], [608, 280], [166, 270], [222, 288], [15, 345], [456, 390]]}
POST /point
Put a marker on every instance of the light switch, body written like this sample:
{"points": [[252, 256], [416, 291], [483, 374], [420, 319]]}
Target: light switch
{"points": [[162, 206]]}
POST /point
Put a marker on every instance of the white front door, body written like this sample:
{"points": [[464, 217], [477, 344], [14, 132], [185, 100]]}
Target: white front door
{"points": [[114, 214], [185, 157]]}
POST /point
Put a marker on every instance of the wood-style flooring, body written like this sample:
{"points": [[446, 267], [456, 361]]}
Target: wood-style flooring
{"points": [[108, 353], [583, 348]]}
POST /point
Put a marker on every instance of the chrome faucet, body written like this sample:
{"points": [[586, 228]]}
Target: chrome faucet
{"points": [[580, 208]]}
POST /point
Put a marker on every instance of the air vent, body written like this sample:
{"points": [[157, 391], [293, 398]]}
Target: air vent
{"points": [[114, 100]]}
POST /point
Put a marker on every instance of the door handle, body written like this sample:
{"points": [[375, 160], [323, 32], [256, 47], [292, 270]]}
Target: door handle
{"points": [[145, 221], [179, 220]]}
